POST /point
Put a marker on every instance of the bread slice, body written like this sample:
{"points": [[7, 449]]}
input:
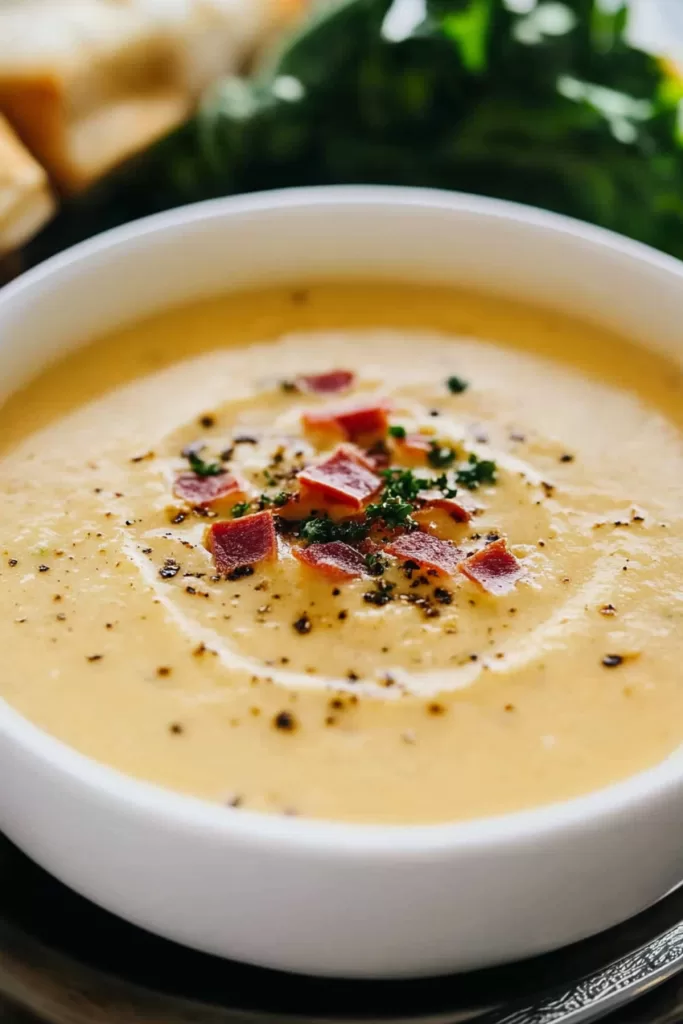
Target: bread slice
{"points": [[26, 202], [88, 83]]}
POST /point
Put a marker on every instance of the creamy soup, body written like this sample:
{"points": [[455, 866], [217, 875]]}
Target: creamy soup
{"points": [[371, 553]]}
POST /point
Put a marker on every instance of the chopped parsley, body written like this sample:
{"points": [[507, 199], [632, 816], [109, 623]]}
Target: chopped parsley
{"points": [[397, 431], [323, 530], [456, 385], [442, 483], [392, 510], [202, 468], [272, 500], [376, 564], [278, 500], [402, 483], [242, 508], [476, 472], [440, 455]]}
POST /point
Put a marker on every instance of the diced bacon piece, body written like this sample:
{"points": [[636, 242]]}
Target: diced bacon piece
{"points": [[495, 569], [427, 550], [434, 499], [326, 383], [242, 542], [353, 421], [207, 490], [345, 477], [336, 560]]}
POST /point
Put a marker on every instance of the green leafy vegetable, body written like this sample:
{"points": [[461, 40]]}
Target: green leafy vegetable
{"points": [[397, 431], [441, 456], [376, 564], [477, 472], [456, 385], [202, 468], [392, 510], [442, 483], [403, 483], [546, 103], [323, 530], [274, 500], [242, 508]]}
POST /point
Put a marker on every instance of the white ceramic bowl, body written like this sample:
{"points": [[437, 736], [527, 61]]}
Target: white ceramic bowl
{"points": [[312, 896]]}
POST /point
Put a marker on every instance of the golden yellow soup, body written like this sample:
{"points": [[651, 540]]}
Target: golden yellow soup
{"points": [[398, 695]]}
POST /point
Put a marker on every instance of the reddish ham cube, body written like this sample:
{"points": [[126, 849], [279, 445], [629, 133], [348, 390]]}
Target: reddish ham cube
{"points": [[345, 478], [434, 499], [326, 383], [206, 491], [427, 551], [242, 542], [354, 421], [338, 561], [495, 569]]}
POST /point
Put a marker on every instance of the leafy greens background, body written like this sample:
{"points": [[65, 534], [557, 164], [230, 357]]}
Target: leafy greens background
{"points": [[540, 101]]}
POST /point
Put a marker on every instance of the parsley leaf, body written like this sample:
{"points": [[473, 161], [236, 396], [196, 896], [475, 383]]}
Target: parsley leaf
{"points": [[476, 472], [402, 483], [397, 431], [242, 508], [376, 564], [392, 510], [323, 530], [456, 385], [441, 455], [273, 500], [442, 483], [202, 468]]}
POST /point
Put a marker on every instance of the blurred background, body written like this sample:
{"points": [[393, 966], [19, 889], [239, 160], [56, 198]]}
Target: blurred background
{"points": [[113, 109]]}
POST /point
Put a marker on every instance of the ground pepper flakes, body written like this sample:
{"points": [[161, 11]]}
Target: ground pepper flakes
{"points": [[303, 625], [285, 721], [612, 660]]}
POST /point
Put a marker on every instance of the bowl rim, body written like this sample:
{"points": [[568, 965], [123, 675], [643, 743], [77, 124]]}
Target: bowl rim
{"points": [[322, 836]]}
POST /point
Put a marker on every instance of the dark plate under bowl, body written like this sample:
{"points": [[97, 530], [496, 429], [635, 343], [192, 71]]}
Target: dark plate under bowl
{"points": [[69, 962]]}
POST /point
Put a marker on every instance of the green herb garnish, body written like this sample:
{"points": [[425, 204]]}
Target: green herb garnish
{"points": [[478, 471], [323, 530], [442, 101], [392, 510], [441, 455], [273, 500], [376, 564], [443, 484], [456, 385], [397, 431], [242, 508], [202, 468], [402, 483]]}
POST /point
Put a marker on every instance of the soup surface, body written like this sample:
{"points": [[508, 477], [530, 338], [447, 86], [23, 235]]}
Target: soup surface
{"points": [[443, 582]]}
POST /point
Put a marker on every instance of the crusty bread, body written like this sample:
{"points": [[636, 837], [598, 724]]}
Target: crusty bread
{"points": [[26, 202], [88, 83]]}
